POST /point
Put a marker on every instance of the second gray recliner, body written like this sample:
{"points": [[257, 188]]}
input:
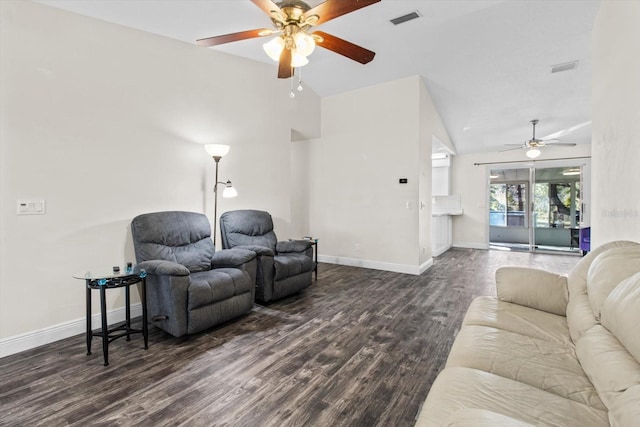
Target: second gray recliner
{"points": [[284, 268]]}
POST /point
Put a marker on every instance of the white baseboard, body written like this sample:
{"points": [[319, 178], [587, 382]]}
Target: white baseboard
{"points": [[440, 251], [470, 245], [18, 343], [377, 265]]}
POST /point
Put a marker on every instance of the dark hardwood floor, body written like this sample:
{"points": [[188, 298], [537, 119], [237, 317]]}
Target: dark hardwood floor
{"points": [[359, 348]]}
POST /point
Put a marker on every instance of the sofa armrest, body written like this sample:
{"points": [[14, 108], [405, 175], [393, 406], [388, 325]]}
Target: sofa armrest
{"points": [[293, 246], [533, 288], [161, 267], [259, 250], [232, 257]]}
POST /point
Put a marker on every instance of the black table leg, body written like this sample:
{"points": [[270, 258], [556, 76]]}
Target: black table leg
{"points": [[89, 332], [316, 259], [127, 304], [145, 329], [105, 328]]}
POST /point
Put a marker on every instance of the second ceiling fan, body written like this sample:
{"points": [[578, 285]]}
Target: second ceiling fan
{"points": [[292, 20], [534, 145]]}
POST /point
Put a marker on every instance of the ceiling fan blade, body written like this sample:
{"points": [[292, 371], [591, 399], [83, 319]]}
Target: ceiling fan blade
{"points": [[513, 145], [511, 149], [344, 48], [331, 9], [285, 70], [270, 8], [558, 144], [564, 132], [234, 37]]}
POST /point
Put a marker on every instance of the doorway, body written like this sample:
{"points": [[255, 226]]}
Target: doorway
{"points": [[537, 208]]}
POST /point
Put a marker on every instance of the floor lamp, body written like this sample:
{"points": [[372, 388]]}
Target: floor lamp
{"points": [[217, 151]]}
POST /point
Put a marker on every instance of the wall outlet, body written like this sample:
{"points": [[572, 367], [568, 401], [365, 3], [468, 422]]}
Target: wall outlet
{"points": [[357, 247]]}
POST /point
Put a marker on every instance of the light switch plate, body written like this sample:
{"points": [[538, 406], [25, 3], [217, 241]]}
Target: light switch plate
{"points": [[31, 207]]}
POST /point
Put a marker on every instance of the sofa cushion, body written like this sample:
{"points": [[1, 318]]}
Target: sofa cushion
{"points": [[457, 388], [609, 366], [247, 227], [542, 364], [489, 311], [580, 316], [621, 314], [625, 409], [180, 237], [533, 288], [607, 271], [208, 287]]}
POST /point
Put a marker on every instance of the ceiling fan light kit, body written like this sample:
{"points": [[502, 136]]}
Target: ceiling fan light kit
{"points": [[533, 153], [294, 43]]}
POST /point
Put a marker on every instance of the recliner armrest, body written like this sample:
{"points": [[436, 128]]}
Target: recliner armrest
{"points": [[259, 250], [232, 257], [161, 267], [533, 288], [293, 246]]}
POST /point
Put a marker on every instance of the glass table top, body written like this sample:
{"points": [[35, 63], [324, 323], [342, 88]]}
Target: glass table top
{"points": [[107, 273]]}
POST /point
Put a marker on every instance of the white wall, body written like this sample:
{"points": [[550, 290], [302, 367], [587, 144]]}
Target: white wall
{"points": [[616, 122], [430, 126], [371, 138], [105, 123], [471, 229]]}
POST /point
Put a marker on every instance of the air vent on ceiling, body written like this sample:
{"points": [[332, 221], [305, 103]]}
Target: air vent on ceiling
{"points": [[558, 68], [404, 18]]}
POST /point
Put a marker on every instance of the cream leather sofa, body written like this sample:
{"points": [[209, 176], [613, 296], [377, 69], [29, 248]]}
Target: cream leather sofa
{"points": [[550, 350]]}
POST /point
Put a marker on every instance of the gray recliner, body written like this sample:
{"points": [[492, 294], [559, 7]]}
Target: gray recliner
{"points": [[190, 286], [284, 268]]}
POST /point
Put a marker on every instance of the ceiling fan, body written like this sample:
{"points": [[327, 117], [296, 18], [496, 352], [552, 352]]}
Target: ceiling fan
{"points": [[534, 145], [292, 20]]}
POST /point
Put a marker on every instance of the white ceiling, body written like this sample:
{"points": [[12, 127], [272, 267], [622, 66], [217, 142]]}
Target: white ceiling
{"points": [[486, 63]]}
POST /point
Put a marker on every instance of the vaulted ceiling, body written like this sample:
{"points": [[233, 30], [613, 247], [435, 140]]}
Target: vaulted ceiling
{"points": [[486, 63]]}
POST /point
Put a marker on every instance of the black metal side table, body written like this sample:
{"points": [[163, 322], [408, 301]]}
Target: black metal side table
{"points": [[103, 280], [314, 244]]}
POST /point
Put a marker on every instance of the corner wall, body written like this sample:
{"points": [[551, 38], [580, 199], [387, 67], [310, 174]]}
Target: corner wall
{"points": [[616, 123], [371, 138]]}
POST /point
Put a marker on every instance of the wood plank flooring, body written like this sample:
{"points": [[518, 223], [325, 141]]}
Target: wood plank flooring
{"points": [[359, 348]]}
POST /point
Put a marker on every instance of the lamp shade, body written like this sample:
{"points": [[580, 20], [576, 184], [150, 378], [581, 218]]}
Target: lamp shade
{"points": [[305, 44], [217, 150], [229, 192], [274, 48], [298, 60], [533, 153]]}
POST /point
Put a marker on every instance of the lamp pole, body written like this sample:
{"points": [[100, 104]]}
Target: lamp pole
{"points": [[215, 200]]}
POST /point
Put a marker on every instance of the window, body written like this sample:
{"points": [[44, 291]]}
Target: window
{"points": [[556, 204], [508, 204]]}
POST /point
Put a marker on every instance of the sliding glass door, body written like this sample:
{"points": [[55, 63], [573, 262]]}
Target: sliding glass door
{"points": [[556, 208], [509, 208], [537, 208]]}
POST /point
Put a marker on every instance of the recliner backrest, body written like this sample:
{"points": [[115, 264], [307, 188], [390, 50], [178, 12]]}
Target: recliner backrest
{"points": [[181, 237], [247, 227]]}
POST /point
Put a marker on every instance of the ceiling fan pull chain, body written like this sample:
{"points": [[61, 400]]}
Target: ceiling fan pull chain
{"points": [[300, 81], [292, 94]]}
